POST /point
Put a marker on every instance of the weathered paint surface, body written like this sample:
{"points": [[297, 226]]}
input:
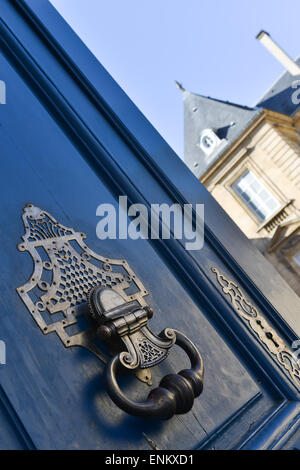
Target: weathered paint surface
{"points": [[70, 140]]}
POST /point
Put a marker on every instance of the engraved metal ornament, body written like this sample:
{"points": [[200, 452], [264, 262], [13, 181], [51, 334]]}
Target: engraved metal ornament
{"points": [[128, 322], [64, 271], [261, 327]]}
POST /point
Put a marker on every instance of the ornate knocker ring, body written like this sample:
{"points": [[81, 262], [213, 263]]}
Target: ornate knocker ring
{"points": [[176, 392]]}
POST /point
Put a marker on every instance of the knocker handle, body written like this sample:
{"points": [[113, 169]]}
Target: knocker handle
{"points": [[175, 394]]}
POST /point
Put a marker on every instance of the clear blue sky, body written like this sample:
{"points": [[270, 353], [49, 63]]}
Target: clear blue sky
{"points": [[208, 45]]}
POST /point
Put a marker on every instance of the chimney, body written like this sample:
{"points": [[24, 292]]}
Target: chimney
{"points": [[277, 52]]}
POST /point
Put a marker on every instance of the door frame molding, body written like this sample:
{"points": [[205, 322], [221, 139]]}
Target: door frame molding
{"points": [[172, 175]]}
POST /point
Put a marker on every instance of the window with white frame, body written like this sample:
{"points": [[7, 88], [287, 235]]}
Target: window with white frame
{"points": [[253, 192], [297, 258]]}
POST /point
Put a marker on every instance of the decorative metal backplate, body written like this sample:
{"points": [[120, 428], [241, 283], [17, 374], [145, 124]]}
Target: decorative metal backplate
{"points": [[266, 334], [64, 270]]}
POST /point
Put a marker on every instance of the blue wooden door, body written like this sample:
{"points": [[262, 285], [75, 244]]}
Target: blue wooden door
{"points": [[71, 140]]}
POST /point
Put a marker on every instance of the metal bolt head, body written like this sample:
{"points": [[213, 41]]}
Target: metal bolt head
{"points": [[149, 311], [104, 332]]}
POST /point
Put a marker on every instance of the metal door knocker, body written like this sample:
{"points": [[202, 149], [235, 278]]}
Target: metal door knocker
{"points": [[70, 283]]}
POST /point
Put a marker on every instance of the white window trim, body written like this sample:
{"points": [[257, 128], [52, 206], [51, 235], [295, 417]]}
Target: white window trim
{"points": [[261, 206]]}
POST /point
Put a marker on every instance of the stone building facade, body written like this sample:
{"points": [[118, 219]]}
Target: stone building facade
{"points": [[249, 160]]}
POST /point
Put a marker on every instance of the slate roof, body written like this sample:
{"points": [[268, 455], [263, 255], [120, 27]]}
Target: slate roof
{"points": [[202, 112], [279, 96], [228, 120]]}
